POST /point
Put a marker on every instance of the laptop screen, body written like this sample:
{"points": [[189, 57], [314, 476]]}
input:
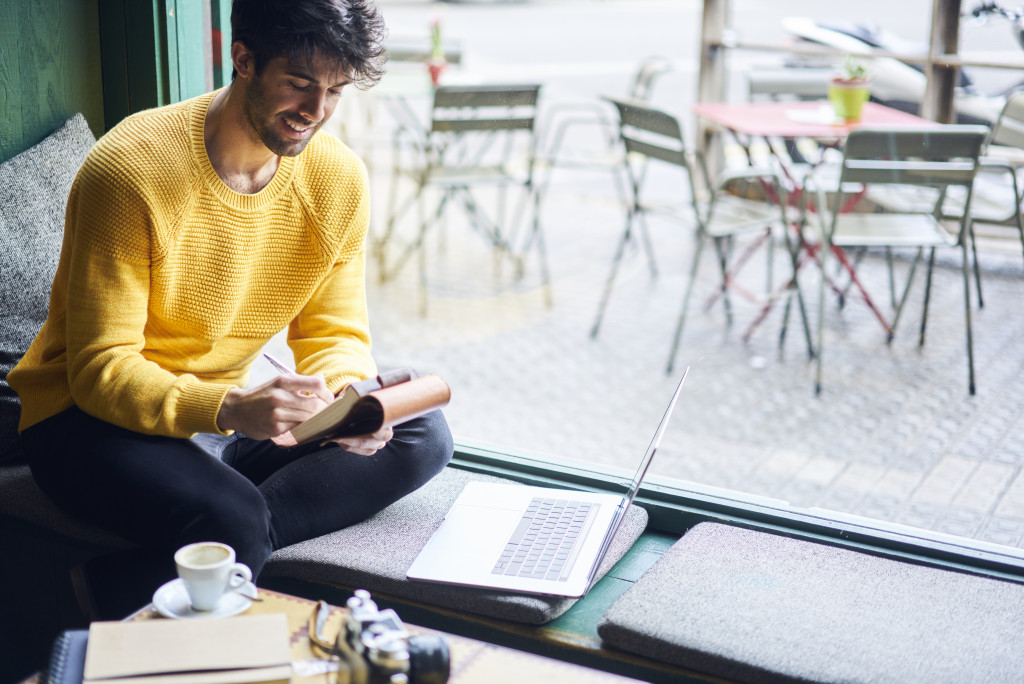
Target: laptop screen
{"points": [[641, 470]]}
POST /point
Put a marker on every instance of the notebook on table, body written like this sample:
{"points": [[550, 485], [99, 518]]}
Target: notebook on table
{"points": [[536, 540]]}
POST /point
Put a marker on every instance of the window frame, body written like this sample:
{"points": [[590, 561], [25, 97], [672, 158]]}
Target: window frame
{"points": [[674, 507]]}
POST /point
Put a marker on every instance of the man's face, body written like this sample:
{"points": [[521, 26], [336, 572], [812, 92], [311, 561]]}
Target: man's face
{"points": [[287, 103]]}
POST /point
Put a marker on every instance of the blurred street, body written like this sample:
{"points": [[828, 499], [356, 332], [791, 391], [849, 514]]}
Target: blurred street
{"points": [[894, 435]]}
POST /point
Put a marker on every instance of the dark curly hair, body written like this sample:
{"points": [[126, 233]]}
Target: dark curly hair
{"points": [[348, 32]]}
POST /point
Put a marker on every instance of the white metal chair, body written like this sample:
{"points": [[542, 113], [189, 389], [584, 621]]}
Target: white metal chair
{"points": [[1003, 155], [479, 137], [648, 136], [583, 136], [930, 160]]}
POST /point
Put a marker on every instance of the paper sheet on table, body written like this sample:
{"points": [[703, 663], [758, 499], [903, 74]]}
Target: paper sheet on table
{"points": [[823, 115], [243, 649]]}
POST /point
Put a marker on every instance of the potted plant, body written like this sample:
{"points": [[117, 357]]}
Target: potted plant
{"points": [[436, 62], [849, 91]]}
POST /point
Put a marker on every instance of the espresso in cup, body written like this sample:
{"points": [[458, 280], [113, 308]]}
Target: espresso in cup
{"points": [[208, 570]]}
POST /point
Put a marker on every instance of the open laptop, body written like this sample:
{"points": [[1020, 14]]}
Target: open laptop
{"points": [[482, 541]]}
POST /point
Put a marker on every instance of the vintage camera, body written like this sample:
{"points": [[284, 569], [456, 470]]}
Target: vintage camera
{"points": [[374, 647]]}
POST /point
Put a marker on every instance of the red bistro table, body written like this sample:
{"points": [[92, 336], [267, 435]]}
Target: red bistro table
{"points": [[810, 120]]}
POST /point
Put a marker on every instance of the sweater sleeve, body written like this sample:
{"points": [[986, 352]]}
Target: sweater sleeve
{"points": [[107, 305]]}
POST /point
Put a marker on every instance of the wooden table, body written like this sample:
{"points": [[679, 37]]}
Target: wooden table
{"points": [[472, 661]]}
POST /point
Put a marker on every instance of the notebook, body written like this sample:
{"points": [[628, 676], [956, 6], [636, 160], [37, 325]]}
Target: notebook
{"points": [[536, 540]]}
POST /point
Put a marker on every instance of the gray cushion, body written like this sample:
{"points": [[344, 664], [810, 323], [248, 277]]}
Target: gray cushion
{"points": [[375, 555], [34, 188], [758, 607]]}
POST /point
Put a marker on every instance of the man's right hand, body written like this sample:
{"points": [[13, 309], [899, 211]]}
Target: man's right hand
{"points": [[274, 407]]}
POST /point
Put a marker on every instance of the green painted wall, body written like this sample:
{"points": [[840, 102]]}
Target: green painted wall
{"points": [[49, 69]]}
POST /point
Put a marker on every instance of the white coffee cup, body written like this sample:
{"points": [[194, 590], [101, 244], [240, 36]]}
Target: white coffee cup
{"points": [[208, 569]]}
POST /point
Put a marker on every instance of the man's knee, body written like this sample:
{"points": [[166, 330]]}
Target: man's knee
{"points": [[240, 519], [434, 447]]}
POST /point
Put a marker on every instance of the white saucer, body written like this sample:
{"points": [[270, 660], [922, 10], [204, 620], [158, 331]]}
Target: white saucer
{"points": [[171, 600]]}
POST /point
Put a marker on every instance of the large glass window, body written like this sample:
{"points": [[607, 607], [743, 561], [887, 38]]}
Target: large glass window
{"points": [[893, 436]]}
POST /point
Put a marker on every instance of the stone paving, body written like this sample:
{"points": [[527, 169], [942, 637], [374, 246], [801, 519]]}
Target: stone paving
{"points": [[893, 436]]}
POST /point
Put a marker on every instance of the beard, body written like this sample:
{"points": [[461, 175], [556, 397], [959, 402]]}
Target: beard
{"points": [[261, 122]]}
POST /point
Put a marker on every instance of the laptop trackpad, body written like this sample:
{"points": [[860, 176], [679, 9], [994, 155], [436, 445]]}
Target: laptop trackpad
{"points": [[474, 535]]}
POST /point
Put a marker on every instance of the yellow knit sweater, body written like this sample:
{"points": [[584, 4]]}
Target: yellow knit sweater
{"points": [[169, 282]]}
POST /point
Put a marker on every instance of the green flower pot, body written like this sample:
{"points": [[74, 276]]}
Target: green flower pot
{"points": [[848, 98]]}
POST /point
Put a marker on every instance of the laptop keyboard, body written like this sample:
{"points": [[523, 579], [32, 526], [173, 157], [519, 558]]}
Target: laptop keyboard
{"points": [[546, 542]]}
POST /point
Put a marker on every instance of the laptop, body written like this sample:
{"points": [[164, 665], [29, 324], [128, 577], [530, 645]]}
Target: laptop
{"points": [[536, 540]]}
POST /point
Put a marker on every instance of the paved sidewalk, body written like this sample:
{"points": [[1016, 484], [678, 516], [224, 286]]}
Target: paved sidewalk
{"points": [[893, 436]]}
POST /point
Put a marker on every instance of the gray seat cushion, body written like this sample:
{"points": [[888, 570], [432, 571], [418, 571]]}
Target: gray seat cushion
{"points": [[375, 555], [34, 188], [758, 607]]}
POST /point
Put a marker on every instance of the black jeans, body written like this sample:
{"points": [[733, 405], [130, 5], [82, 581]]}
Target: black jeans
{"points": [[162, 493]]}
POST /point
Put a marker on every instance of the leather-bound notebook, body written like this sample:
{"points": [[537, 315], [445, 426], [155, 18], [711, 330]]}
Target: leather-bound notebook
{"points": [[370, 405], [67, 658]]}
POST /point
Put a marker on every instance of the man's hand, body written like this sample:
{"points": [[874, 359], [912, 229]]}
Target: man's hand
{"points": [[364, 445], [274, 407]]}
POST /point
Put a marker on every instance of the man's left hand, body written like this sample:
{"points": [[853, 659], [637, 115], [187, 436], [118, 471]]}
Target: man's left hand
{"points": [[364, 445]]}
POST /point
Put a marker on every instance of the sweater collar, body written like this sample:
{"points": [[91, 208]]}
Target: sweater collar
{"points": [[196, 114]]}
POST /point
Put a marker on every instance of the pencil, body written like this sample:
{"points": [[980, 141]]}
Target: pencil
{"points": [[277, 364], [284, 370]]}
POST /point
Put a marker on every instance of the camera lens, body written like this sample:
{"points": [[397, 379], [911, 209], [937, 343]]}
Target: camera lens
{"points": [[428, 660]]}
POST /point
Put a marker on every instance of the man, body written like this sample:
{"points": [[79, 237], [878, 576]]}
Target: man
{"points": [[193, 234]]}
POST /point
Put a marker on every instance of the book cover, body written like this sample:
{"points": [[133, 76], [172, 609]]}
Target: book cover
{"points": [[370, 405]]}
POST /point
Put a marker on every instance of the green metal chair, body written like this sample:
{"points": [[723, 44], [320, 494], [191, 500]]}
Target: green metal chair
{"points": [[650, 136], [930, 161], [478, 137]]}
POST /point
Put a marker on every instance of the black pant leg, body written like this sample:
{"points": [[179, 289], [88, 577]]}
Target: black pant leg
{"points": [[312, 490], [158, 492]]}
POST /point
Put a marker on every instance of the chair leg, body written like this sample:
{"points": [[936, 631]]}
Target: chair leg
{"points": [[1017, 213], [722, 249], [645, 238], [967, 321], [977, 267], [678, 336], [610, 280], [906, 293], [795, 285], [542, 253], [537, 236], [927, 295], [892, 276], [826, 248]]}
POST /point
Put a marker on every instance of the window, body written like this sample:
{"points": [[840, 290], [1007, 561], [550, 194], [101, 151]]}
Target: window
{"points": [[894, 437]]}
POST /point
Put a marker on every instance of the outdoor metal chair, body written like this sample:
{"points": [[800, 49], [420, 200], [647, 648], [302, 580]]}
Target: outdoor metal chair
{"points": [[930, 160], [994, 202], [786, 84], [1003, 156], [478, 137], [648, 136]]}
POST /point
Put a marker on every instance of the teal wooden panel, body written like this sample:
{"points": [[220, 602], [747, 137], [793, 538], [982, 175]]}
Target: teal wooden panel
{"points": [[186, 57], [49, 69], [11, 130], [114, 62], [130, 35], [168, 22], [220, 20]]}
